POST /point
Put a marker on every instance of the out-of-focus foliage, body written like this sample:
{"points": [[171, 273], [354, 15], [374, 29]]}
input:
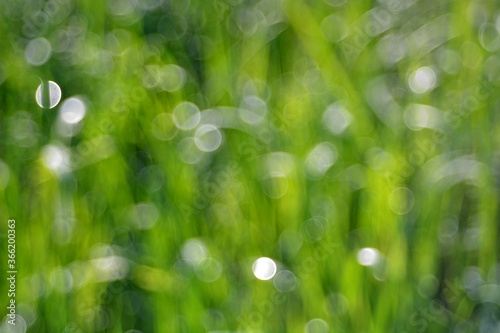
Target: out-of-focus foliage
{"points": [[251, 166]]}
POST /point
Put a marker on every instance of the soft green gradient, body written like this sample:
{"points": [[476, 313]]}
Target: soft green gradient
{"points": [[130, 197]]}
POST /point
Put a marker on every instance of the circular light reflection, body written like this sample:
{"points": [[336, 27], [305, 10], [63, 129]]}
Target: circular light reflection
{"points": [[48, 99], [194, 251], [264, 268], [186, 116], [208, 138], [368, 256], [72, 110], [401, 200], [38, 51], [253, 110], [316, 326], [285, 281], [336, 118], [422, 80]]}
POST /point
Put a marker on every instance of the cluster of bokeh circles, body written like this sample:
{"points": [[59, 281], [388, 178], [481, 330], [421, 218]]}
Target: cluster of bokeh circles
{"points": [[238, 166]]}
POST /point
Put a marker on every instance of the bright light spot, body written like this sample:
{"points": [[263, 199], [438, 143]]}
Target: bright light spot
{"points": [[208, 138], [422, 80], [401, 200], [163, 127], [264, 268], [55, 158], [275, 184], [336, 118], [72, 110], [48, 99], [38, 51], [368, 256], [316, 326], [194, 251], [285, 281], [320, 159], [253, 110], [186, 116]]}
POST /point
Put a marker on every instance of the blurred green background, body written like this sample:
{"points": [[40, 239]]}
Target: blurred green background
{"points": [[152, 150]]}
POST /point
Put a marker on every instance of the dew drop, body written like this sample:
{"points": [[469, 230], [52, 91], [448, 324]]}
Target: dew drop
{"points": [[264, 268], [48, 95]]}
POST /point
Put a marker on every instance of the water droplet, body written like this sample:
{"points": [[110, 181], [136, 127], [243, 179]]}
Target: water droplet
{"points": [[48, 95], [285, 281], [186, 116], [38, 51], [208, 138], [72, 110], [401, 200], [264, 268], [368, 256], [422, 80]]}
